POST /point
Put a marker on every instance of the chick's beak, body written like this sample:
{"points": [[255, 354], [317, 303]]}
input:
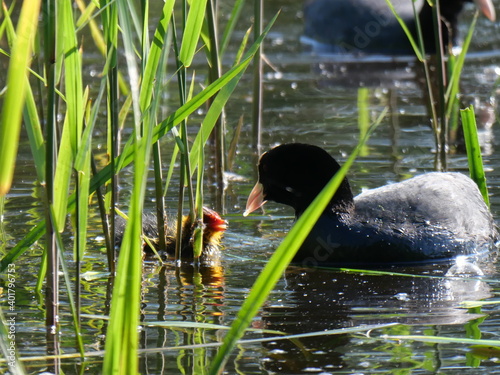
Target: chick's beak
{"points": [[213, 221], [219, 226], [255, 199], [487, 8]]}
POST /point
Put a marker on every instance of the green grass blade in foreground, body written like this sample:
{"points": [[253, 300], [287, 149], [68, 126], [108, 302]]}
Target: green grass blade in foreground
{"points": [[122, 334], [83, 170], [474, 151], [13, 104], [73, 122], [31, 118], [198, 234], [192, 31], [281, 258], [72, 73], [64, 168]]}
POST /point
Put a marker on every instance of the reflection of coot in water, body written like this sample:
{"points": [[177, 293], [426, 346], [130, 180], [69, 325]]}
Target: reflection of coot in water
{"points": [[369, 26], [428, 218], [321, 300], [173, 293], [213, 230]]}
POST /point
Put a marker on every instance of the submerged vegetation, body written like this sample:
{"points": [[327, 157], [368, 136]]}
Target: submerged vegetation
{"points": [[61, 105]]}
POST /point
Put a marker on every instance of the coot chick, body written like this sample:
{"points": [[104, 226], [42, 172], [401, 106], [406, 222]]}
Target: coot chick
{"points": [[432, 217], [369, 25], [213, 230]]}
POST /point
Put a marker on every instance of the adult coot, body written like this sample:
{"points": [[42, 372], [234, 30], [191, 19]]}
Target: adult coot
{"points": [[431, 217], [369, 25], [213, 230]]}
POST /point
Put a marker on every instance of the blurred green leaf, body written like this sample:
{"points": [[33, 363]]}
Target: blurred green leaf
{"points": [[16, 87], [192, 31]]}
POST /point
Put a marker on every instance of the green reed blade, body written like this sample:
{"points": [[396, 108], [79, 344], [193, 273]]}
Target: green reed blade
{"points": [[62, 263], [83, 168], [135, 17], [35, 134], [7, 21], [64, 168], [122, 335], [282, 257], [72, 72], [415, 46], [452, 98], [24, 244], [454, 80], [363, 115], [180, 138], [69, 287], [155, 53], [476, 168], [443, 340], [97, 36], [87, 17], [31, 119], [243, 45], [152, 112], [210, 120], [113, 136], [192, 31], [7, 27], [171, 168], [198, 235], [13, 104], [258, 83], [73, 123], [233, 145], [144, 33], [231, 24]]}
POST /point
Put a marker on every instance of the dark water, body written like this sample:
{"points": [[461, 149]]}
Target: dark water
{"points": [[311, 99]]}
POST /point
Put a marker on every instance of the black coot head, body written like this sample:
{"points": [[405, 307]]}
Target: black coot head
{"points": [[294, 174]]}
